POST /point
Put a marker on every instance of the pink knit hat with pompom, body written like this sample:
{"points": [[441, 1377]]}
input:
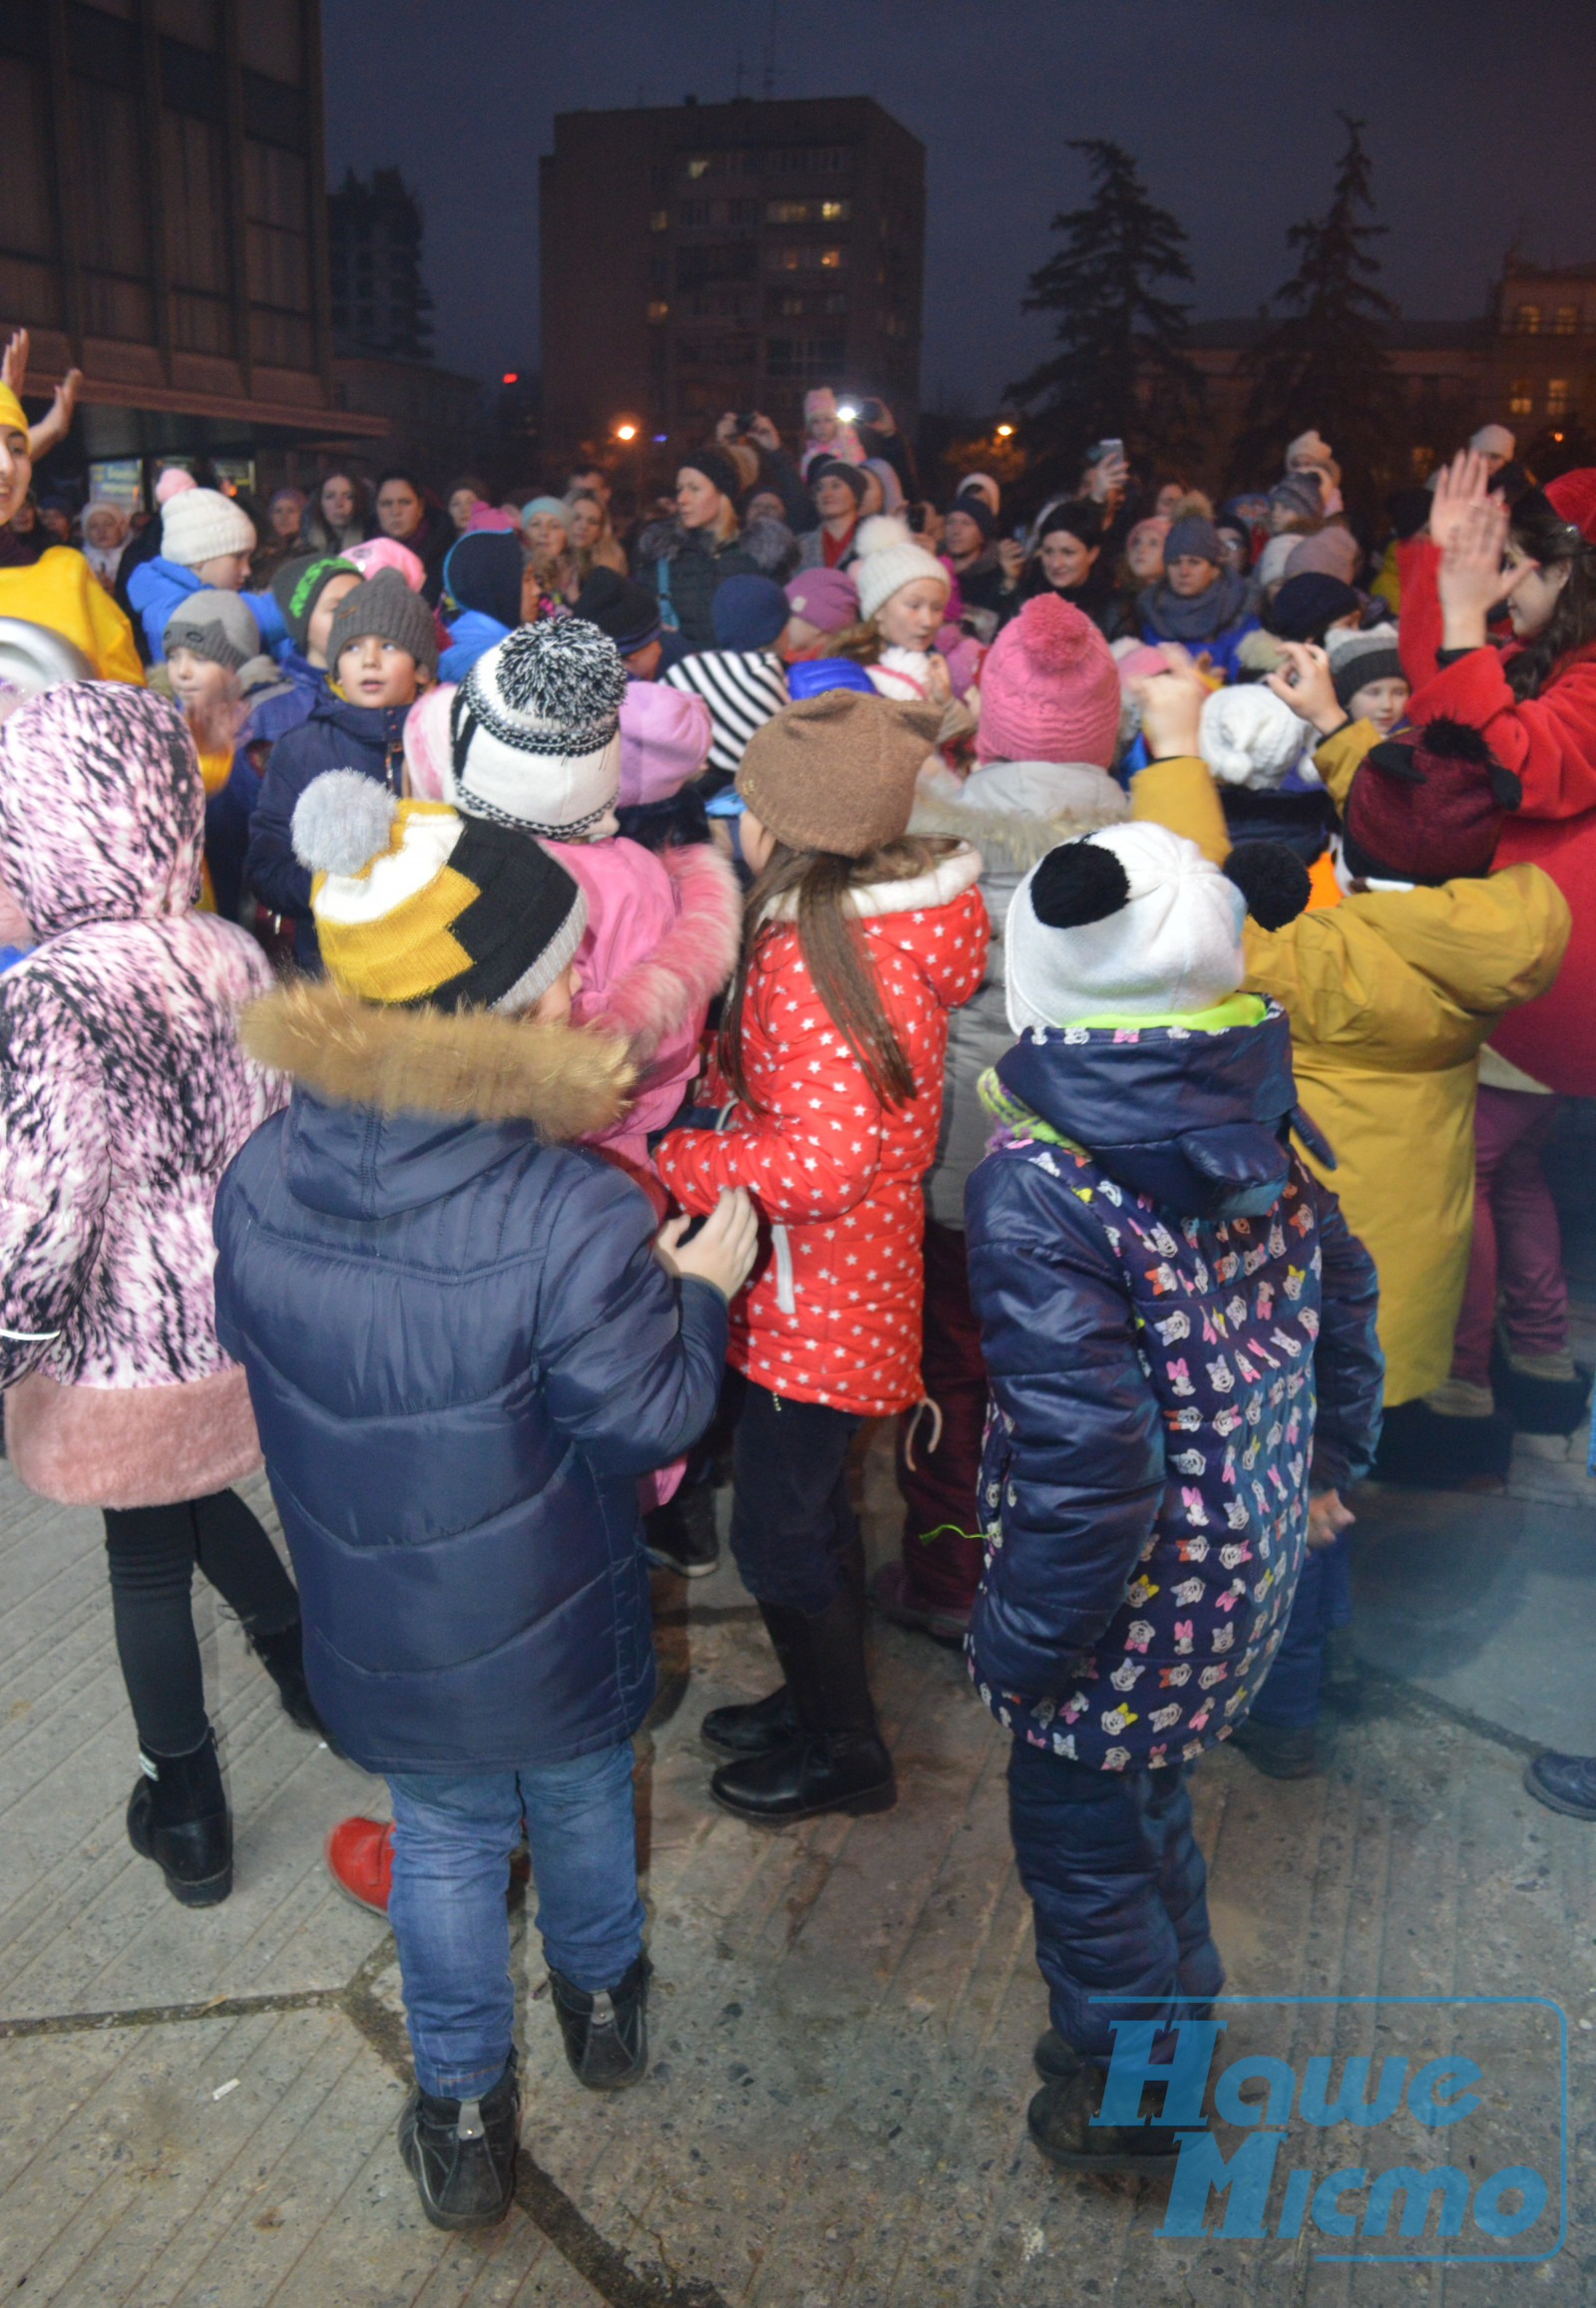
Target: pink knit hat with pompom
{"points": [[1050, 689]]}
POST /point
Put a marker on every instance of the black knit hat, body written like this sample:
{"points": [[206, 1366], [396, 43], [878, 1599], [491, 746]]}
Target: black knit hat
{"points": [[716, 467], [979, 510], [838, 468], [384, 604], [627, 612], [298, 586]]}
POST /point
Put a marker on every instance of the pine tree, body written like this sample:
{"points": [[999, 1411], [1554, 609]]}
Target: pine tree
{"points": [[1325, 364], [1119, 369]]}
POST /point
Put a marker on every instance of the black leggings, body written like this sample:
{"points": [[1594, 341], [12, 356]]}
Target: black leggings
{"points": [[151, 1553]]}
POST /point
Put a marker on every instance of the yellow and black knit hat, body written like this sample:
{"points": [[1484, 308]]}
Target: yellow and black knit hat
{"points": [[413, 903]]}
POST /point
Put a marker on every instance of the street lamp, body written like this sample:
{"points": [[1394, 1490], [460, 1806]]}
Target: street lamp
{"points": [[1004, 431], [625, 432]]}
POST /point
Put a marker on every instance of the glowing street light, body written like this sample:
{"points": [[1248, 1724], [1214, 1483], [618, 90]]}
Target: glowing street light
{"points": [[1003, 432], [626, 432]]}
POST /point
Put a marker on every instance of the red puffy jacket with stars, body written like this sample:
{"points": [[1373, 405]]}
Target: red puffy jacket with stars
{"points": [[832, 1311]]}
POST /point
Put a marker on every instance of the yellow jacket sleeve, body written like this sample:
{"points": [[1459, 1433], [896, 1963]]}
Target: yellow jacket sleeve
{"points": [[1180, 794], [1339, 756], [60, 590]]}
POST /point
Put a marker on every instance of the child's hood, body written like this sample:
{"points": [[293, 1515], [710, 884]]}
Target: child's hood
{"points": [[1195, 1116], [1015, 812]]}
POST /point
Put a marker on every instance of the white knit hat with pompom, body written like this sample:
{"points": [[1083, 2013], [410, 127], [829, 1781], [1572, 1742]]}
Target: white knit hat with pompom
{"points": [[890, 558]]}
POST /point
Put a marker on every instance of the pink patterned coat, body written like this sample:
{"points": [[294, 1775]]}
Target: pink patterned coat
{"points": [[123, 1098]]}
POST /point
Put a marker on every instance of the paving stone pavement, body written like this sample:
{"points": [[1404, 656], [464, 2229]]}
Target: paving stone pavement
{"points": [[199, 2108]]}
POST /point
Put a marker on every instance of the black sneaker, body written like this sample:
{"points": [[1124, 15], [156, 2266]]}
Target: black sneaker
{"points": [[1060, 2120], [681, 1536], [607, 2034], [1564, 1783], [1278, 1751], [462, 2152]]}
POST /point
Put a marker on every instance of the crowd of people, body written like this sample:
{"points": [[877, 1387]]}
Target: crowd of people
{"points": [[516, 1016]]}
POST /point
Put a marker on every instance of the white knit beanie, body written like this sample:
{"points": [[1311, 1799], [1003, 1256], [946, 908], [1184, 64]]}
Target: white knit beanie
{"points": [[1249, 736], [534, 732], [1130, 920], [200, 523], [889, 560]]}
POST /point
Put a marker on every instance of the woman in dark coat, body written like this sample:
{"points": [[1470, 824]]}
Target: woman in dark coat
{"points": [[686, 559]]}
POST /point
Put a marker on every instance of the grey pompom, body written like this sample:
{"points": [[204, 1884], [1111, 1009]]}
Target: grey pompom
{"points": [[563, 669], [342, 821]]}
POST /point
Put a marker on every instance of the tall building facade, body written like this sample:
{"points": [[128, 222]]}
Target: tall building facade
{"points": [[703, 257], [379, 301]]}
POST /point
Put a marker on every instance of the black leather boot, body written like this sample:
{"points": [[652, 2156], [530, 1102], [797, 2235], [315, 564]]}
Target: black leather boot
{"points": [[837, 1762], [178, 1817], [607, 2034], [462, 2152], [284, 1658], [764, 1725]]}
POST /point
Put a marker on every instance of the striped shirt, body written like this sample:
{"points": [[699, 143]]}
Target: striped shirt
{"points": [[743, 690]]}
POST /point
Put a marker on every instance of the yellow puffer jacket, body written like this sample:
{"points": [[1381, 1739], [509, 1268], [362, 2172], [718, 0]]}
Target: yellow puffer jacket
{"points": [[60, 590], [1391, 994]]}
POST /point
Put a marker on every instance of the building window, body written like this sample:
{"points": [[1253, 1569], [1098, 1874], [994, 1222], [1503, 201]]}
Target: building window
{"points": [[1521, 398], [805, 256], [799, 357], [836, 212], [833, 259], [659, 222], [1567, 320], [696, 167], [1559, 397], [1528, 320], [836, 302], [658, 309], [786, 211]]}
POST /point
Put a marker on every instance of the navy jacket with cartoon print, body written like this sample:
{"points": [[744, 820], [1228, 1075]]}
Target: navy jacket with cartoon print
{"points": [[1180, 1334]]}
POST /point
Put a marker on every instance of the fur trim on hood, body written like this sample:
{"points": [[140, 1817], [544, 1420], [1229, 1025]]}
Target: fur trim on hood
{"points": [[1019, 811], [924, 893], [653, 1000], [770, 545], [567, 1080]]}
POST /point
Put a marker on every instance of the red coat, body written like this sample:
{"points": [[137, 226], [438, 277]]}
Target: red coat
{"points": [[831, 1312], [1549, 742]]}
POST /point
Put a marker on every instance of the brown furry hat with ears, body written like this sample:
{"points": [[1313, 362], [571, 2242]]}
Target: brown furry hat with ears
{"points": [[566, 1081]]}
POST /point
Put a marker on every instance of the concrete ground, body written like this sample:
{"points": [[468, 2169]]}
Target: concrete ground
{"points": [[200, 2107]]}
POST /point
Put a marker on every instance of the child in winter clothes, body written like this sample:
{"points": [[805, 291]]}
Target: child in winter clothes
{"points": [[307, 591], [381, 647], [1198, 602], [481, 574], [821, 603], [741, 678], [1179, 1330], [1254, 742], [462, 1350], [903, 605], [205, 544], [238, 704], [123, 1097], [1391, 994], [1043, 744], [1367, 668], [858, 942]]}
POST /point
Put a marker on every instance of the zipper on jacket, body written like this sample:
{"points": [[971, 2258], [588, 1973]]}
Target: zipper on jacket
{"points": [[786, 1297]]}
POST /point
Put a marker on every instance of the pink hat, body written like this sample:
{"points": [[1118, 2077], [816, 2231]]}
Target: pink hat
{"points": [[426, 741], [492, 517], [826, 598], [1329, 552], [171, 481], [664, 740], [386, 552], [1154, 525], [1050, 689]]}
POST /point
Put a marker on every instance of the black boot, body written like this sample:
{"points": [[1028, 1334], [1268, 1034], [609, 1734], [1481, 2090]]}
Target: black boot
{"points": [[607, 2034], [284, 1658], [767, 1723], [1564, 1783], [837, 1762], [463, 2152], [178, 1817], [1280, 1750], [1060, 2124], [1054, 2057]]}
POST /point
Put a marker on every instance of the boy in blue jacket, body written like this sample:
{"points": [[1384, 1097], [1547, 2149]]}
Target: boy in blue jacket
{"points": [[382, 648], [1180, 1334], [464, 1344]]}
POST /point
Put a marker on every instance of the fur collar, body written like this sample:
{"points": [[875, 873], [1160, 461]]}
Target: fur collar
{"points": [[768, 544], [566, 1079], [949, 879], [1007, 842], [653, 1000]]}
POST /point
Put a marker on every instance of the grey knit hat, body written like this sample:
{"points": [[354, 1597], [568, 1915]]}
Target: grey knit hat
{"points": [[1355, 660], [216, 626], [384, 606]]}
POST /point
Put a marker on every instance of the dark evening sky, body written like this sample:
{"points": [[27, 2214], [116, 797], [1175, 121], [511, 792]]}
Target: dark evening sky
{"points": [[1478, 120]]}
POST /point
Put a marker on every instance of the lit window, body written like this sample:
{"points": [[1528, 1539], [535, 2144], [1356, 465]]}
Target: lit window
{"points": [[835, 211], [1521, 398], [659, 222], [657, 308], [786, 211], [1567, 322], [1559, 397], [696, 169], [1529, 320], [831, 259]]}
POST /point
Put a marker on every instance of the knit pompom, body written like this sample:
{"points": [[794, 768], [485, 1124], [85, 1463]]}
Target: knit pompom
{"points": [[1077, 883], [563, 669], [341, 821], [1273, 880], [881, 531], [1055, 634]]}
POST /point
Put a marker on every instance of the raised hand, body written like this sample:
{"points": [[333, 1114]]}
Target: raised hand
{"points": [[1306, 685], [1171, 705], [1461, 484], [1470, 578]]}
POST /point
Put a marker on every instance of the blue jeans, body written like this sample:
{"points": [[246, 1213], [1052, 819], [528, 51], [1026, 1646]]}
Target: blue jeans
{"points": [[451, 1841], [1288, 1696]]}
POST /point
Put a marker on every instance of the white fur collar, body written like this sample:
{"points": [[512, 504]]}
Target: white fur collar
{"points": [[946, 881]]}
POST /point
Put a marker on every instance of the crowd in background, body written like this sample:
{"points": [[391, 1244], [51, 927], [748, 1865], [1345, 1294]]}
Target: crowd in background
{"points": [[1093, 989]]}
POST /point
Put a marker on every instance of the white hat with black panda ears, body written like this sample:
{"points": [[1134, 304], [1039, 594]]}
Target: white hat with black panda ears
{"points": [[1134, 920]]}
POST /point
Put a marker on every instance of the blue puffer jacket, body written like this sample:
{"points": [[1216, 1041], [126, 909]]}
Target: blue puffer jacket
{"points": [[1179, 1332], [333, 735], [471, 636], [157, 586], [461, 1352]]}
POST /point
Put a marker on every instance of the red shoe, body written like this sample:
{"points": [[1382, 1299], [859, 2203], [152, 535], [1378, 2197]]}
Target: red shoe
{"points": [[359, 1856]]}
